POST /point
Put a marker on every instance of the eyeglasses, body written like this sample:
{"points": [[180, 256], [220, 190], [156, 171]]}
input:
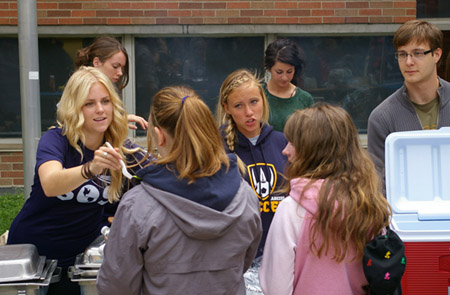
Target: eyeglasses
{"points": [[416, 54]]}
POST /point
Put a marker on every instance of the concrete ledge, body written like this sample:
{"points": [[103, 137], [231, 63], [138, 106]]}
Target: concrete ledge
{"points": [[221, 29], [10, 145], [11, 190]]}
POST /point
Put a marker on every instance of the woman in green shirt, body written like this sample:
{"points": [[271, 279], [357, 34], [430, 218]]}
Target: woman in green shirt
{"points": [[284, 61]]}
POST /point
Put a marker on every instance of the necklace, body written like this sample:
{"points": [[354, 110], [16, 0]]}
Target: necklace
{"points": [[293, 91], [287, 93]]}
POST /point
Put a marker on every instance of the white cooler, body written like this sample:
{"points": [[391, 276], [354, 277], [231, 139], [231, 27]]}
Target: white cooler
{"points": [[418, 189]]}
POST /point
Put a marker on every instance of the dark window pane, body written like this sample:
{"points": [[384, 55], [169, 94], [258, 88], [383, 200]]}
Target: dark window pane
{"points": [[56, 64], [55, 67], [433, 8], [356, 73], [444, 65], [201, 63], [10, 120]]}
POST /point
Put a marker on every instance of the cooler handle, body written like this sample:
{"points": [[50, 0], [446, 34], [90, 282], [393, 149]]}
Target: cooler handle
{"points": [[444, 263], [433, 215]]}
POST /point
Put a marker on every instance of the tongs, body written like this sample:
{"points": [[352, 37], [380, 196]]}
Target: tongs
{"points": [[124, 167]]}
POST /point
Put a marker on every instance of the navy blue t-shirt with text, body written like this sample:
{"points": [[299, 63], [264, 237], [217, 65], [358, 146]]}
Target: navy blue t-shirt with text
{"points": [[61, 226]]}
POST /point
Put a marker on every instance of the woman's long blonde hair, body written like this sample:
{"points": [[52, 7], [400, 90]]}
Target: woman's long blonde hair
{"points": [[71, 120], [351, 207], [197, 149]]}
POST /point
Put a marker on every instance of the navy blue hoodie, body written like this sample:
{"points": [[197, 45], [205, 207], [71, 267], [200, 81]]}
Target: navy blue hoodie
{"points": [[265, 164], [216, 191]]}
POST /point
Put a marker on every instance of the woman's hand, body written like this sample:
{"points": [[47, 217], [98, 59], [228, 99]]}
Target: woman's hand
{"points": [[136, 119], [105, 158], [56, 180]]}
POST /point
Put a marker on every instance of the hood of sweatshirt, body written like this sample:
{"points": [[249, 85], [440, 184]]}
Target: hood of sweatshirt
{"points": [[215, 192], [264, 160], [205, 209], [244, 145], [306, 198], [265, 131]]}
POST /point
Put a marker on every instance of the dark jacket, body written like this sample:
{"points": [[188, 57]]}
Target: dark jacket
{"points": [[265, 164]]}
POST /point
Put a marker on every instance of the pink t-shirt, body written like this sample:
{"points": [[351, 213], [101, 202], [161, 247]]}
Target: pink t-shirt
{"points": [[288, 266]]}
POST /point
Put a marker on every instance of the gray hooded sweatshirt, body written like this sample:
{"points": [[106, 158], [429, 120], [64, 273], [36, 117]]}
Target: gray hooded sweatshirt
{"points": [[166, 243]]}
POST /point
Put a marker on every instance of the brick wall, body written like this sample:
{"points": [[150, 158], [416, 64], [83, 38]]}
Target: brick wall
{"points": [[188, 12], [11, 169]]}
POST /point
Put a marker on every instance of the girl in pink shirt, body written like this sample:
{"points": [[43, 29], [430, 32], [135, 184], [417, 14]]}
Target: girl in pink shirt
{"points": [[335, 206]]}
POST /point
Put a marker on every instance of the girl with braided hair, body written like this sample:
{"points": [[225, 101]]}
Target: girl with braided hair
{"points": [[242, 114]]}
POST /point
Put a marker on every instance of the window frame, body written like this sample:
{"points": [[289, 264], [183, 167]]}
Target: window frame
{"points": [[269, 32]]}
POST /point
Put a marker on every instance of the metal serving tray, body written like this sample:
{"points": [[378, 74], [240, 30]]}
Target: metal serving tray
{"points": [[87, 279], [52, 275], [92, 257], [20, 262], [76, 274]]}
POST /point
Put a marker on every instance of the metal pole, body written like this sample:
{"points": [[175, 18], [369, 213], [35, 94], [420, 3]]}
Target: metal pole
{"points": [[129, 93], [29, 87]]}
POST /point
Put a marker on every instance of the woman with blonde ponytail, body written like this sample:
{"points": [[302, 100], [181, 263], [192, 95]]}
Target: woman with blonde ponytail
{"points": [[242, 114], [193, 225]]}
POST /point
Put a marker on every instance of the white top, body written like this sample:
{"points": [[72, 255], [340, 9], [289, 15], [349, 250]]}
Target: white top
{"points": [[276, 274]]}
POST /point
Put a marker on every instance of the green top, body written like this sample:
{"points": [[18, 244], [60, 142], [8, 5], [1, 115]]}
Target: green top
{"points": [[281, 108], [428, 113]]}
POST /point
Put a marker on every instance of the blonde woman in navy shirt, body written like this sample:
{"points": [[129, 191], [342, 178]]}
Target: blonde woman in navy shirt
{"points": [[242, 113], [76, 174]]}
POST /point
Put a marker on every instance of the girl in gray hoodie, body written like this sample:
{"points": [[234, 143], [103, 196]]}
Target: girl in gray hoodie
{"points": [[193, 225]]}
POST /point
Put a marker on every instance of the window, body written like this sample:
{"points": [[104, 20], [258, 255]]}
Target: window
{"points": [[201, 63], [56, 57], [56, 64], [10, 119], [356, 73], [433, 8]]}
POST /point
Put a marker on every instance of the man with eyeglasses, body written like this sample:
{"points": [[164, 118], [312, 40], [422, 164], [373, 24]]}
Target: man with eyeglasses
{"points": [[423, 100]]}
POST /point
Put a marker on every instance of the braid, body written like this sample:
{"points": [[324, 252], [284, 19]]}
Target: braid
{"points": [[230, 133], [236, 83]]}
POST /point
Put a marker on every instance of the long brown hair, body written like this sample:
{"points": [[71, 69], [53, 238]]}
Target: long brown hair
{"points": [[286, 51], [103, 47], [351, 207], [197, 149]]}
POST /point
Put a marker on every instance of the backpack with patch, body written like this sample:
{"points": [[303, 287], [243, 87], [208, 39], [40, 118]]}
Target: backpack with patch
{"points": [[384, 263]]}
